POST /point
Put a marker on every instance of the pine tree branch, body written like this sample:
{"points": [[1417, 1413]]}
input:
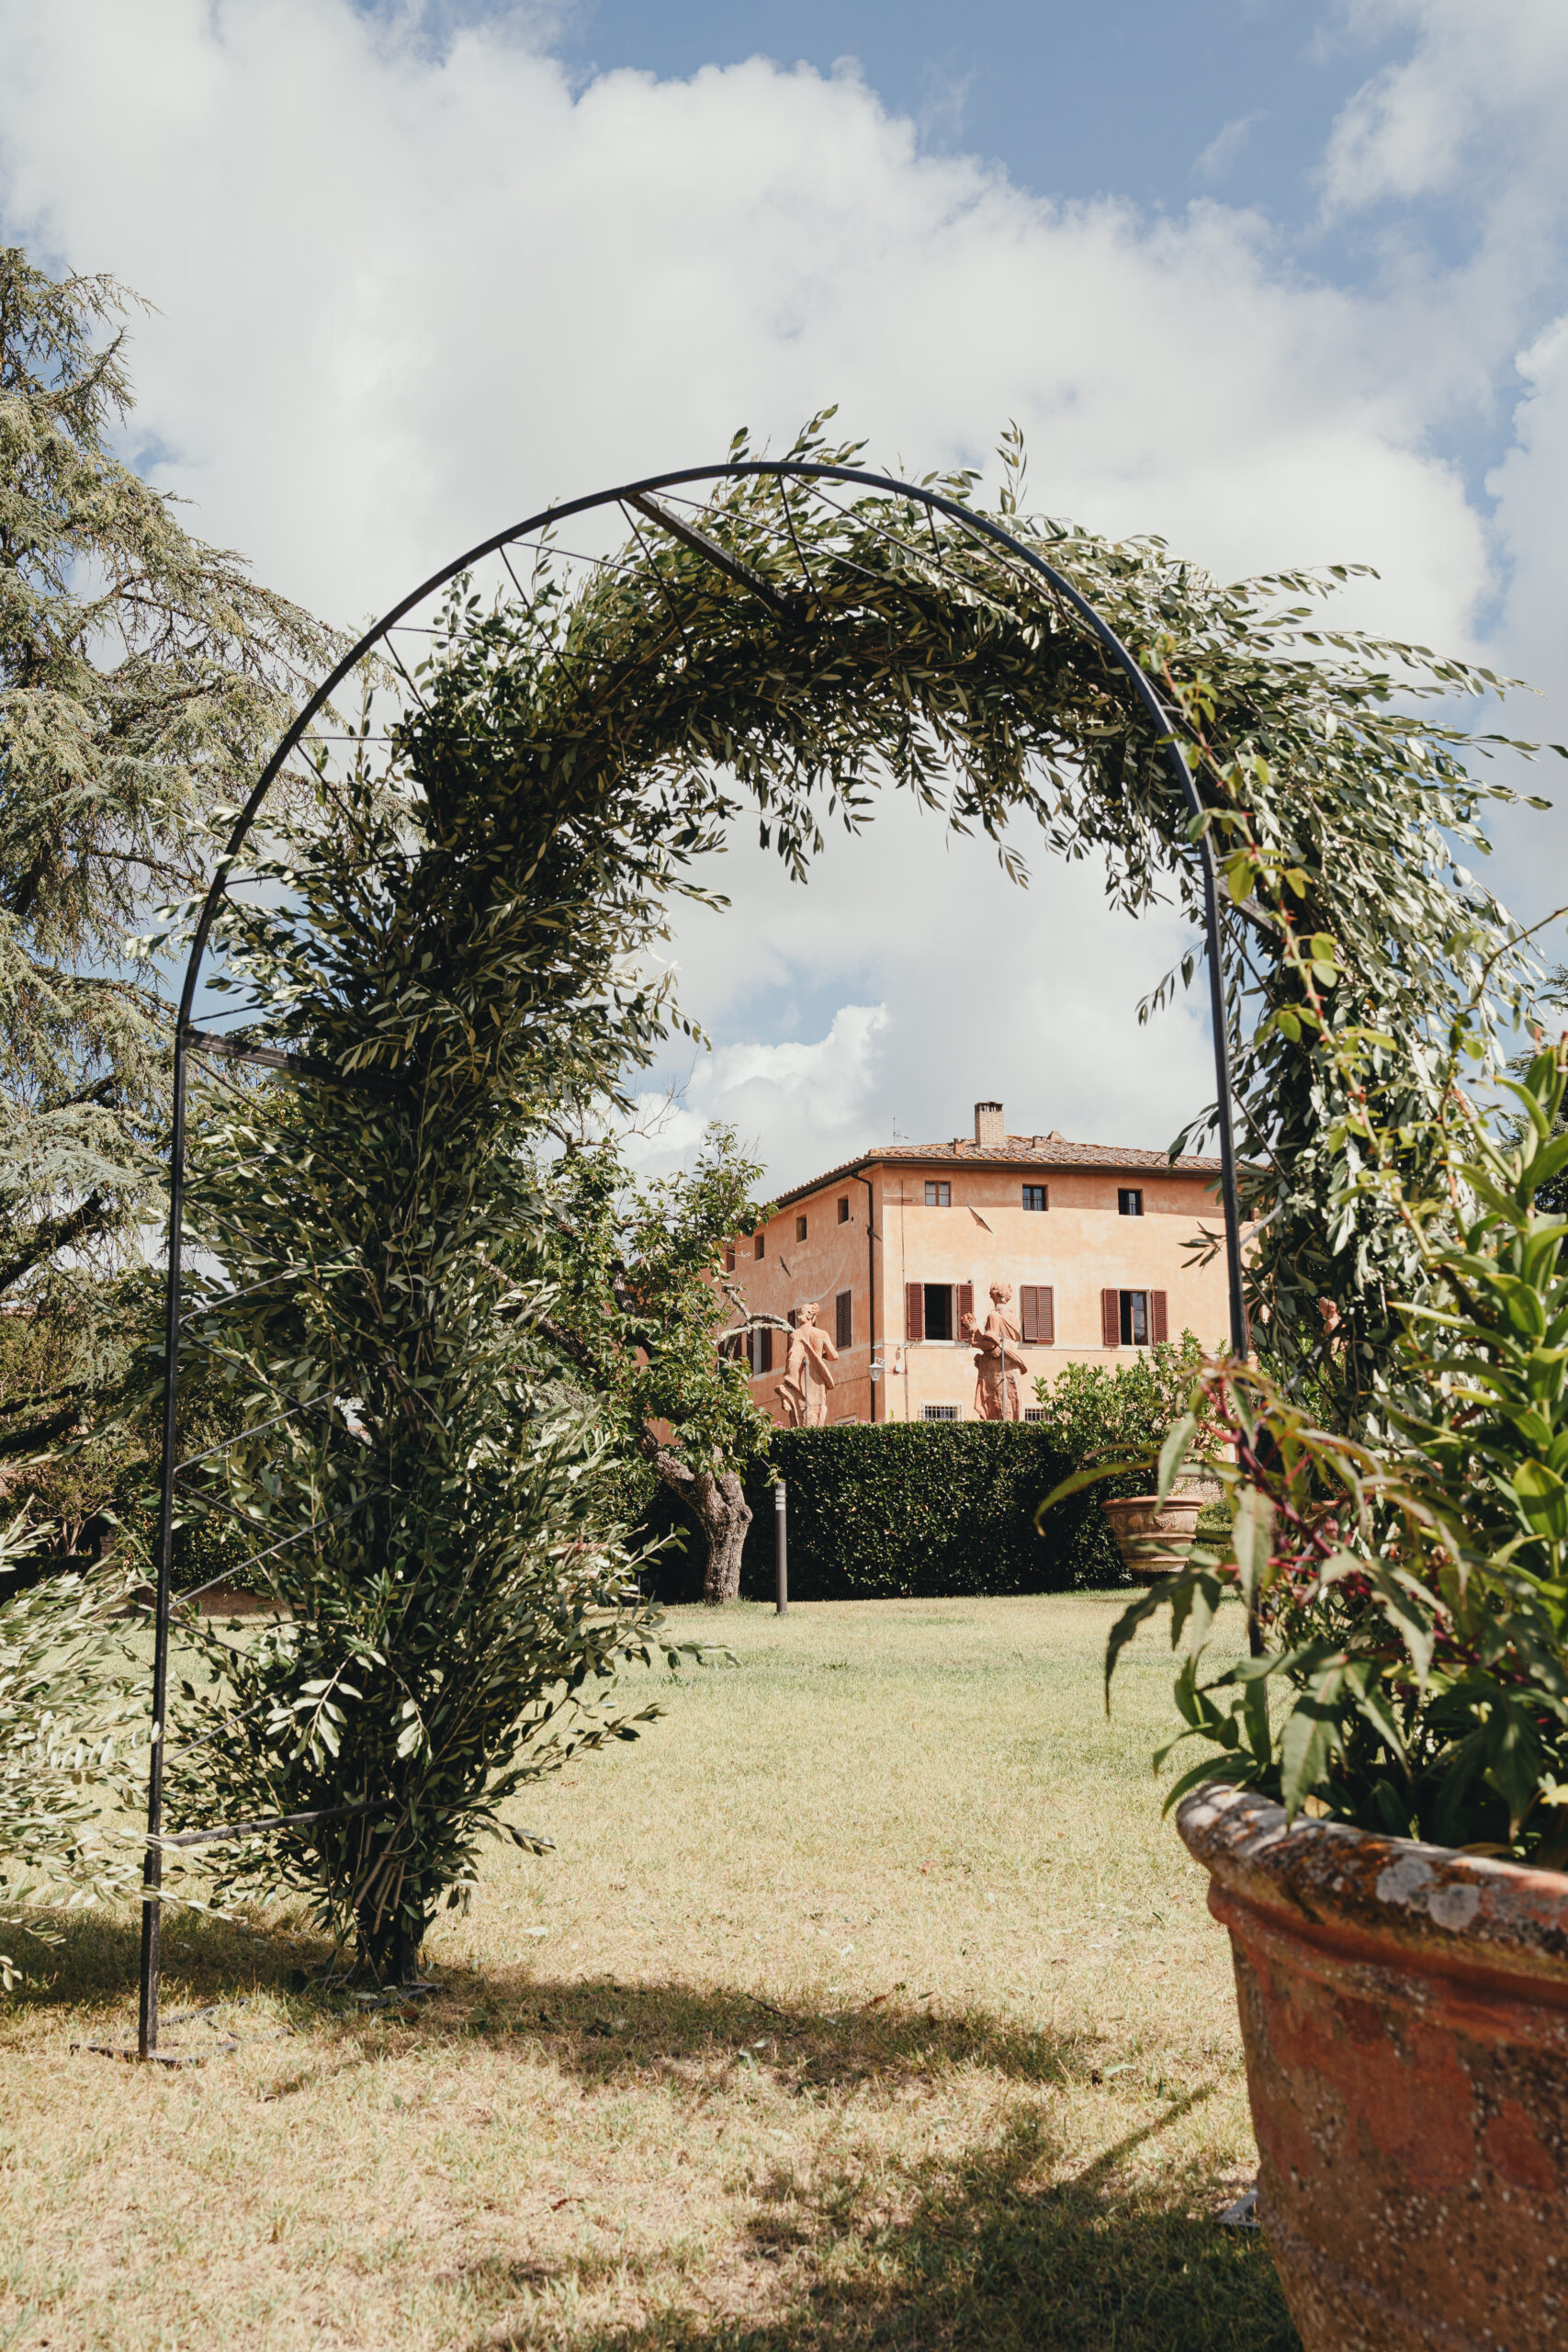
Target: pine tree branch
{"points": [[91, 1215]]}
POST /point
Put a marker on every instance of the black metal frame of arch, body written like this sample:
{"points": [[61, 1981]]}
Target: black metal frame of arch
{"points": [[641, 498]]}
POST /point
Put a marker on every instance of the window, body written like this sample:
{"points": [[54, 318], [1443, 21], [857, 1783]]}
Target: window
{"points": [[730, 1260], [844, 1315], [1035, 1197], [1132, 1319], [762, 1350], [800, 1228], [758, 1251], [843, 1212], [939, 1413], [928, 1310], [939, 1196], [1037, 1315], [1130, 1202], [1034, 1412]]}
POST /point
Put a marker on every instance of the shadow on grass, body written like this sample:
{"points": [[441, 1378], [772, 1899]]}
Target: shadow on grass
{"points": [[961, 2252], [995, 2244], [599, 2030], [94, 1957]]}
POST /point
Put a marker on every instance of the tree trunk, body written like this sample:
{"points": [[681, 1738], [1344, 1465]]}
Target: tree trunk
{"points": [[719, 1506]]}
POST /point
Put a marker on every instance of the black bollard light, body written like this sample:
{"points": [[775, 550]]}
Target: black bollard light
{"points": [[781, 1545]]}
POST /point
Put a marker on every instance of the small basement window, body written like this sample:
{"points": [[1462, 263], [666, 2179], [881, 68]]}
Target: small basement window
{"points": [[1035, 1197], [1130, 1201], [938, 1195], [800, 1228], [843, 1212], [1034, 1412], [939, 1413]]}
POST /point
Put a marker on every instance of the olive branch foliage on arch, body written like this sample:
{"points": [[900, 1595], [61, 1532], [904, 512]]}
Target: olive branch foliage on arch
{"points": [[466, 926]]}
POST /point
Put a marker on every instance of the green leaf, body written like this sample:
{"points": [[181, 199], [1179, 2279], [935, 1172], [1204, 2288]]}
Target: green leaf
{"points": [[1310, 1736]]}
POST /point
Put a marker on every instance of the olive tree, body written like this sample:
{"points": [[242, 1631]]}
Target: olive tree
{"points": [[650, 1320]]}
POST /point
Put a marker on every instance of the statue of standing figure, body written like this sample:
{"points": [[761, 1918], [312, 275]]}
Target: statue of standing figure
{"points": [[996, 1359], [803, 1391]]}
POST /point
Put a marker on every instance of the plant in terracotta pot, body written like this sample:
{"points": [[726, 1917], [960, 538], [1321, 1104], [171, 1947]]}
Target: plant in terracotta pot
{"points": [[1112, 1420], [1383, 1803]]}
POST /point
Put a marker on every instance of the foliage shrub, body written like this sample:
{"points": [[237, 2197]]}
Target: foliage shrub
{"points": [[1413, 1592], [907, 1510], [913, 1507]]}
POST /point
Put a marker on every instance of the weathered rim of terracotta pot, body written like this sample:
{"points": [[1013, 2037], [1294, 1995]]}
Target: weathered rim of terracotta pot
{"points": [[1405, 2013], [1152, 1537], [1346, 1891]]}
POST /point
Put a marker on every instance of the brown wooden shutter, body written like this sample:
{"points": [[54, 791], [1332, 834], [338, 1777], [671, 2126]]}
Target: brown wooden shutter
{"points": [[843, 1319], [1110, 1318], [793, 1317], [1157, 1315], [765, 1350], [914, 1310], [965, 1306], [1037, 1316]]}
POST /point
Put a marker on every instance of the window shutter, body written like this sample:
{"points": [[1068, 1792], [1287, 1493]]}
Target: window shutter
{"points": [[843, 1314], [1157, 1315], [1037, 1316], [965, 1306], [791, 1318], [1110, 1318], [765, 1350], [914, 1310]]}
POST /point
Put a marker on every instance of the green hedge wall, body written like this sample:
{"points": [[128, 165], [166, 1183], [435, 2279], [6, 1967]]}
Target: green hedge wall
{"points": [[907, 1510]]}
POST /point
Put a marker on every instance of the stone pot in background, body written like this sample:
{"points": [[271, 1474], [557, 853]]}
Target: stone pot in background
{"points": [[1405, 2011], [1154, 1538]]}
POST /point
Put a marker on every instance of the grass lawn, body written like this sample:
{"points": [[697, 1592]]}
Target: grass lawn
{"points": [[865, 2001]]}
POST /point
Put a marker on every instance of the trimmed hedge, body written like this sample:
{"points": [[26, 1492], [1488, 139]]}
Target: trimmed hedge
{"points": [[906, 1510]]}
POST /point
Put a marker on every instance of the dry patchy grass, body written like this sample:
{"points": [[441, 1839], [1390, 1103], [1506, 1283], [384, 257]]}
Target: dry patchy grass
{"points": [[865, 2002]]}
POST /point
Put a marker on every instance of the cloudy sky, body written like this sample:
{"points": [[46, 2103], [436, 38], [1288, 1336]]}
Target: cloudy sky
{"points": [[1285, 282]]}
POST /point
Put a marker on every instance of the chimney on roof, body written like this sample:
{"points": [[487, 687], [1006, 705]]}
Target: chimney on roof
{"points": [[989, 1126]]}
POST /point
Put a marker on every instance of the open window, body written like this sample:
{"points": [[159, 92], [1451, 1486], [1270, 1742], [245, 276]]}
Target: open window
{"points": [[928, 1310], [1134, 1318]]}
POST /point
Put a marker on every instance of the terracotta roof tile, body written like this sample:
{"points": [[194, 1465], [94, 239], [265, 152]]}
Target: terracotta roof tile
{"points": [[1018, 1151]]}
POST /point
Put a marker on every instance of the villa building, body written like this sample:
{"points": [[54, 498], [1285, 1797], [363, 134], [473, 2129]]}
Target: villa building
{"points": [[893, 1248]]}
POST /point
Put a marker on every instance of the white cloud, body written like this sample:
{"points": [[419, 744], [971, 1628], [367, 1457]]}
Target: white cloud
{"points": [[797, 1106], [409, 291], [1477, 103], [1228, 144]]}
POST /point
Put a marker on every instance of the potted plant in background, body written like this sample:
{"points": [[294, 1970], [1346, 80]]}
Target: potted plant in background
{"points": [[1103, 1416], [1384, 1805]]}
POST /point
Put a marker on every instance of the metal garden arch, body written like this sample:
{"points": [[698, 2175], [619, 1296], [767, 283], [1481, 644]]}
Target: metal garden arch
{"points": [[639, 498]]}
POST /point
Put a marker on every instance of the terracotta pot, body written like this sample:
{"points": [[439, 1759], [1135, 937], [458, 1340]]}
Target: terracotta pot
{"points": [[1405, 2010], [1154, 1538]]}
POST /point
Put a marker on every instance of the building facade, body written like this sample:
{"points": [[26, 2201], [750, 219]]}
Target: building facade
{"points": [[893, 1249]]}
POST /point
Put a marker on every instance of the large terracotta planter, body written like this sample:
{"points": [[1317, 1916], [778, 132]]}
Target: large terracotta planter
{"points": [[1154, 1538], [1405, 2010]]}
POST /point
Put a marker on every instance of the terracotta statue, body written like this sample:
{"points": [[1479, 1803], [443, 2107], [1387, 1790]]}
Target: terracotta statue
{"points": [[803, 1391], [996, 1359]]}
